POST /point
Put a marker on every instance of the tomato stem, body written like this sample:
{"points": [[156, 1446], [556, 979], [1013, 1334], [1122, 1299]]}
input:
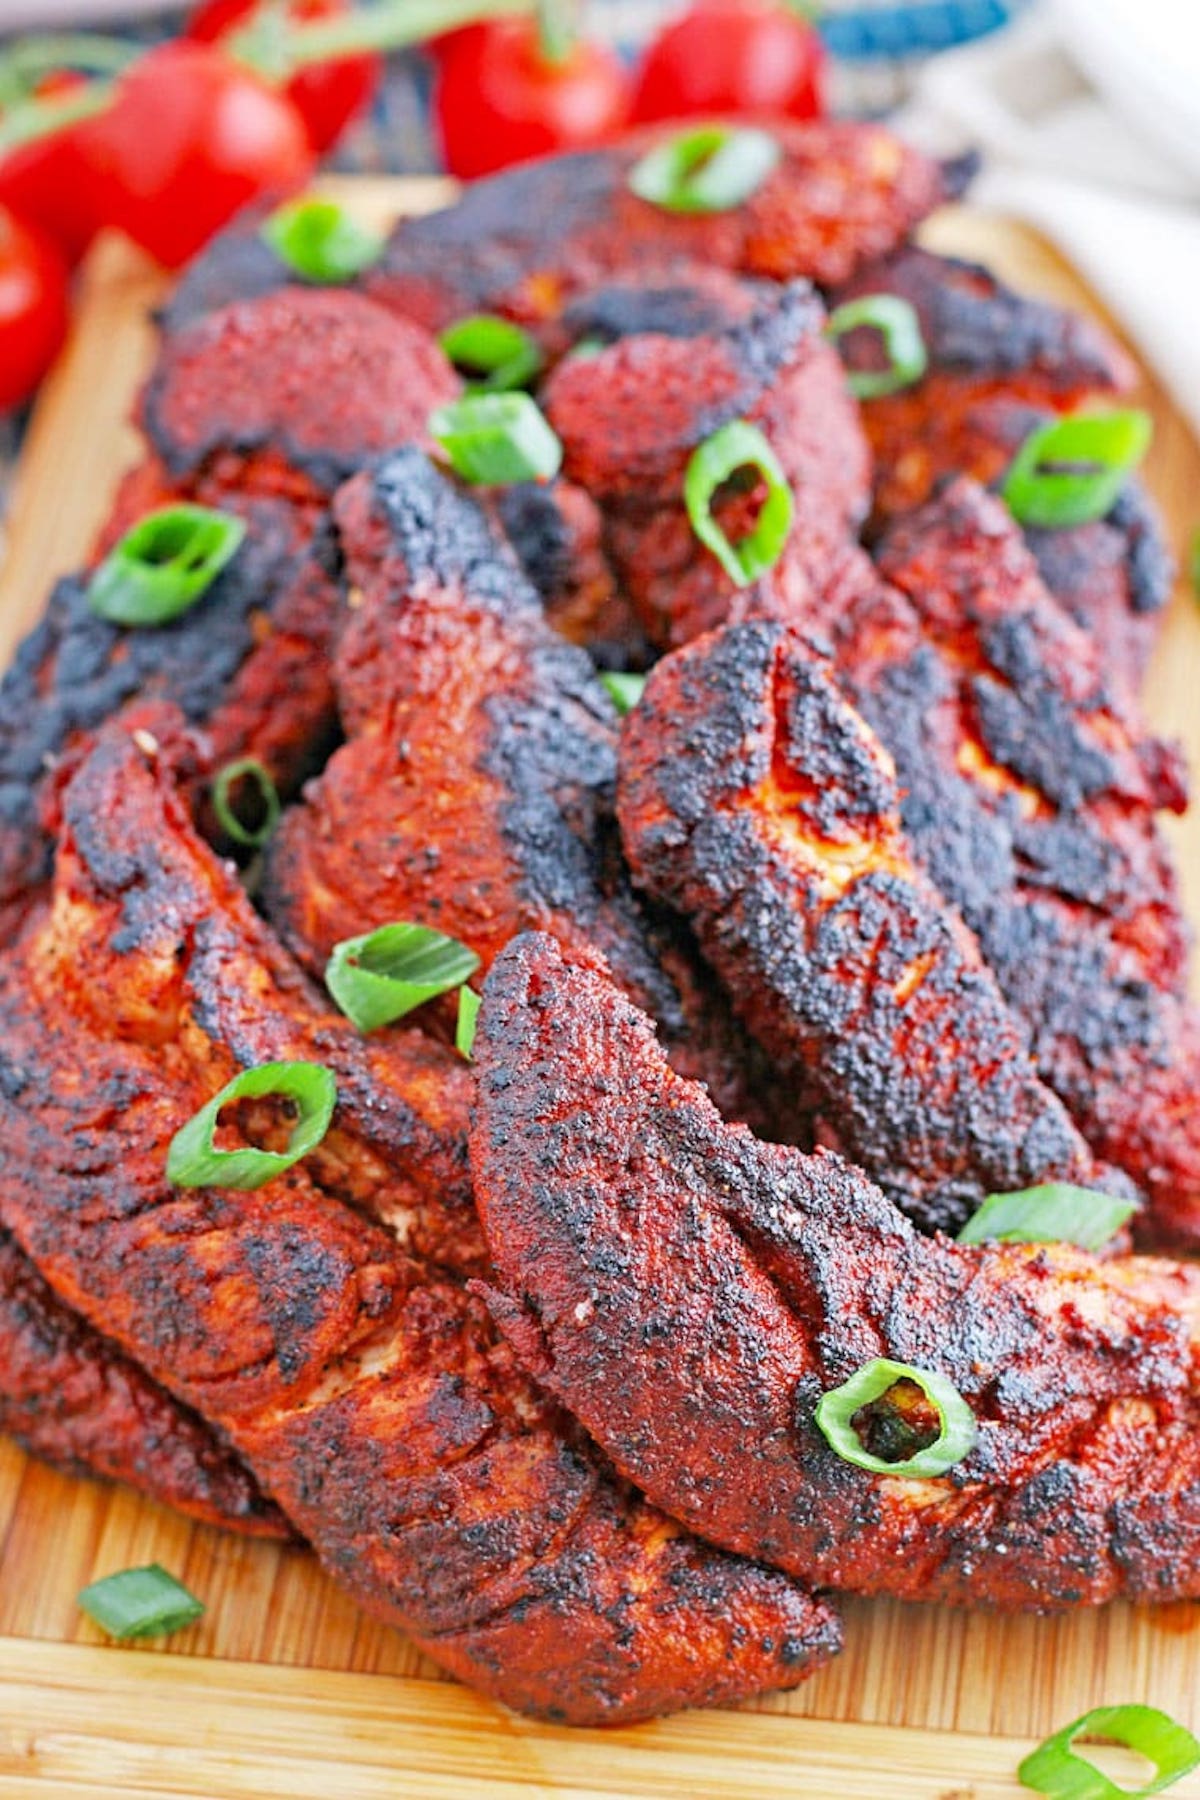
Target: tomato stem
{"points": [[277, 49], [557, 30], [33, 119], [29, 60]]}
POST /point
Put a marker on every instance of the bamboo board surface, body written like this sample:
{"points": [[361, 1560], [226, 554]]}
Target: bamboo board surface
{"points": [[284, 1688]]}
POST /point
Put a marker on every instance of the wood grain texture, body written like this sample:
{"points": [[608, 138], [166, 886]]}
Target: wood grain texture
{"points": [[283, 1687]]}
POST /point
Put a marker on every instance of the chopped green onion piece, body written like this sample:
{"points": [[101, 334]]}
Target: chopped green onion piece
{"points": [[1055, 1770], [709, 170], [1071, 471], [1054, 1213], [164, 564], [468, 1016], [193, 1159], [320, 241], [492, 354], [836, 1412], [897, 323], [265, 802], [625, 690], [735, 446], [1194, 563], [140, 1603], [495, 439], [390, 972]]}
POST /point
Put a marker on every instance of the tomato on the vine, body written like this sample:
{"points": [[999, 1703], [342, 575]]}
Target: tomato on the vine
{"points": [[501, 97], [327, 95], [756, 58], [33, 307], [191, 138], [43, 180]]}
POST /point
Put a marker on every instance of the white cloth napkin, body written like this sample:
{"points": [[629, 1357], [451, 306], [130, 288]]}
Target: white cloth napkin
{"points": [[1060, 156]]}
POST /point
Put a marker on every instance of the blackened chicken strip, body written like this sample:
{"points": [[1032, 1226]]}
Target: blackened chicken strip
{"points": [[691, 1293], [347, 1363], [1000, 365], [1031, 786], [69, 1397], [250, 661], [474, 793], [758, 803]]}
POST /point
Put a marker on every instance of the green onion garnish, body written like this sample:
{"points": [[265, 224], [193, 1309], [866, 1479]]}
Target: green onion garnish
{"points": [[163, 564], [495, 439], [264, 801], [1194, 563], [711, 169], [493, 355], [1055, 1770], [897, 323], [736, 446], [1071, 471], [895, 1423], [468, 1017], [320, 241], [390, 972], [140, 1603], [193, 1159], [624, 689], [1054, 1213]]}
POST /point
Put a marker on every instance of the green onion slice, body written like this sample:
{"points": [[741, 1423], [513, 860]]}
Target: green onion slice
{"points": [[1071, 471], [468, 1017], [709, 170], [624, 689], [495, 439], [390, 972], [264, 801], [735, 446], [140, 1603], [193, 1159], [493, 355], [320, 241], [897, 323], [1055, 1770], [164, 564], [1054, 1213], [837, 1411]]}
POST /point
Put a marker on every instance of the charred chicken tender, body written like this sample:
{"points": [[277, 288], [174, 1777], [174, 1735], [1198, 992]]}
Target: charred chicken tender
{"points": [[448, 647], [1031, 785], [322, 1322], [68, 1396], [696, 1297], [755, 801], [250, 661]]}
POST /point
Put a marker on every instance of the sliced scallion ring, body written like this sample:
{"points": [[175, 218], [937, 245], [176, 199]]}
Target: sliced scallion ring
{"points": [[496, 439], [1056, 1770], [264, 801], [624, 689], [164, 564], [1056, 1212], [137, 1603], [837, 1410], [897, 323], [736, 446], [193, 1159], [1071, 470], [492, 354], [319, 240], [707, 170], [388, 973], [468, 1017]]}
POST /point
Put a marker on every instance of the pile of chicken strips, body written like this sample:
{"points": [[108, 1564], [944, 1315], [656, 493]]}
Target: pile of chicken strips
{"points": [[797, 1201]]}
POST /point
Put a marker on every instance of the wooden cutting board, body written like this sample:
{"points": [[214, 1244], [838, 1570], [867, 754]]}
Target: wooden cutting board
{"points": [[284, 1688]]}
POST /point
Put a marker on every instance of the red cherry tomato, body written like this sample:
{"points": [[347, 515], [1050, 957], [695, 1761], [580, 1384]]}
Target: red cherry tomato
{"points": [[723, 57], [327, 95], [33, 307], [499, 99], [43, 180], [190, 139]]}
